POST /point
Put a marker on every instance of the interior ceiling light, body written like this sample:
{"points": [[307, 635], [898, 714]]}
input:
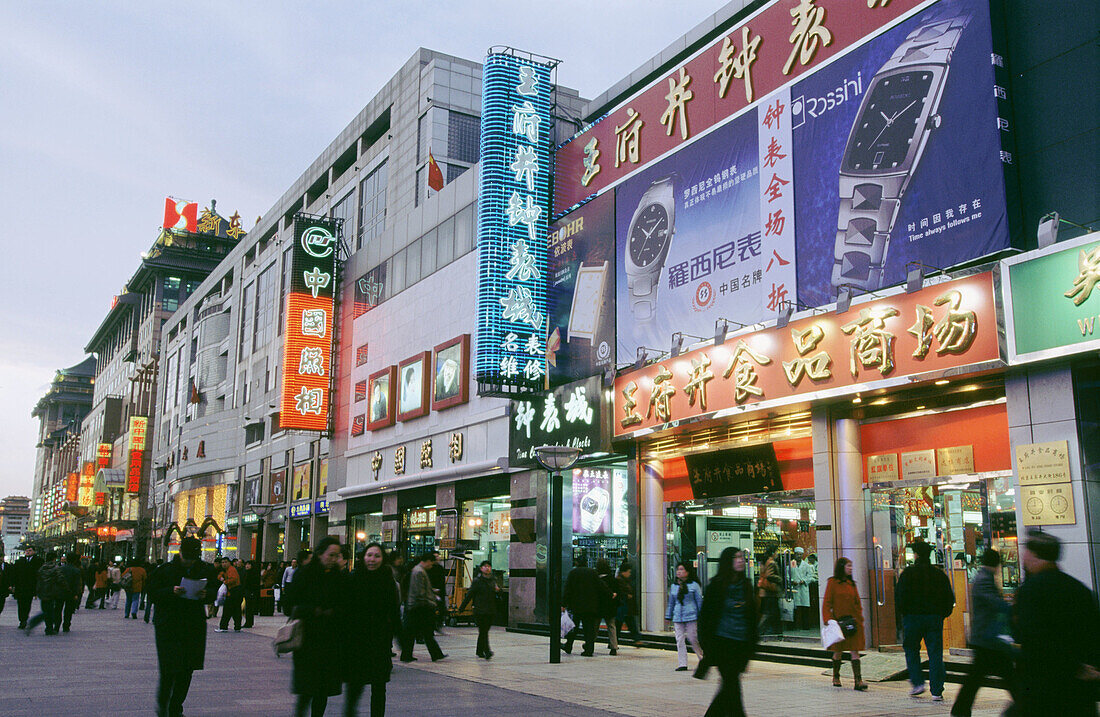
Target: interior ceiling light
{"points": [[942, 382]]}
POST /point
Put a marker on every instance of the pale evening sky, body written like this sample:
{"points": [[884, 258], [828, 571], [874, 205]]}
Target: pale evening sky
{"points": [[110, 106]]}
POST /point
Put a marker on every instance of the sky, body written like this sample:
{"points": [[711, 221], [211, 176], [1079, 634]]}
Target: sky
{"points": [[108, 107]]}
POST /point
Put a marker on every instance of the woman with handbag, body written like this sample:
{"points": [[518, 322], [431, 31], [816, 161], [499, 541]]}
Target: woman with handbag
{"points": [[727, 630], [842, 604], [372, 623], [320, 602]]}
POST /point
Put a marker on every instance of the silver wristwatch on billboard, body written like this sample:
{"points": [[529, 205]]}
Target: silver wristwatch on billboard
{"points": [[898, 113], [647, 244]]}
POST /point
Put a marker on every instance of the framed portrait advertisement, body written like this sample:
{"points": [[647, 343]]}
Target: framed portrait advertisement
{"points": [[382, 398], [252, 489], [451, 373], [300, 488], [412, 386], [277, 490]]}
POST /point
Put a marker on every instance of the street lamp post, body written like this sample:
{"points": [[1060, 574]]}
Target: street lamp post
{"points": [[555, 459]]}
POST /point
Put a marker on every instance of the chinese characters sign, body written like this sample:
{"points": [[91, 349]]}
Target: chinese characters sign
{"points": [[512, 221], [752, 469], [943, 326], [1052, 305], [571, 415], [136, 453], [307, 348], [767, 51]]}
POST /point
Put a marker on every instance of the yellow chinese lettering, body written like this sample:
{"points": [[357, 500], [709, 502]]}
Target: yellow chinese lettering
{"points": [[660, 402], [628, 139], [591, 168], [872, 344], [1088, 266], [732, 63], [629, 404], [809, 31], [697, 383], [678, 97], [955, 332], [817, 366], [744, 373]]}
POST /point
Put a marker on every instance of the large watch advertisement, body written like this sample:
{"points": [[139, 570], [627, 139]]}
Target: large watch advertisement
{"points": [[844, 178]]}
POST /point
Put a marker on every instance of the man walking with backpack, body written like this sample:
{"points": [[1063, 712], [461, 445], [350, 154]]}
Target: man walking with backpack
{"points": [[924, 598]]}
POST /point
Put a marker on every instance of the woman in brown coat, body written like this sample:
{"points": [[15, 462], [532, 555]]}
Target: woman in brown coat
{"points": [[842, 600]]}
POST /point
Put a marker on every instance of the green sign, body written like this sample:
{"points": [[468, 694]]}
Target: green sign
{"points": [[1052, 300]]}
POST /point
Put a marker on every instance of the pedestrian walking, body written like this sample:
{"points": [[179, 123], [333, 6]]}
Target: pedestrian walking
{"points": [[252, 584], [585, 596], [100, 572], [924, 598], [373, 619], [767, 590], [234, 594], [483, 593], [24, 581], [303, 559], [114, 581], [685, 600], [420, 609], [133, 582], [609, 614], [180, 623], [437, 575], [842, 604], [627, 611], [5, 589], [1058, 628], [989, 615], [88, 570], [145, 593], [75, 583], [321, 603], [728, 625], [52, 589]]}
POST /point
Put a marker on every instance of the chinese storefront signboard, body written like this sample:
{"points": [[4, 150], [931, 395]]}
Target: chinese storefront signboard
{"points": [[1038, 463], [500, 526], [883, 466], [136, 453], [752, 469], [513, 204], [572, 415], [307, 347], [918, 465], [1051, 308], [944, 326], [421, 519], [955, 460], [86, 493]]}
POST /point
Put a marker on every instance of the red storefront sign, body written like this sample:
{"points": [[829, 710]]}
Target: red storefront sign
{"points": [[133, 472], [770, 49], [72, 485], [943, 326], [103, 455]]}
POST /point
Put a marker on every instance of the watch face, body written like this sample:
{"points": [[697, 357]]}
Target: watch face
{"points": [[649, 235], [887, 125]]}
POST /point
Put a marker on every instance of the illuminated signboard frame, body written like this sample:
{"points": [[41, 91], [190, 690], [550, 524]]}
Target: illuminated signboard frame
{"points": [[138, 427], [513, 209], [307, 347]]}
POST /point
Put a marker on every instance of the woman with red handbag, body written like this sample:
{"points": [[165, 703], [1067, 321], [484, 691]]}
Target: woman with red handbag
{"points": [[842, 604]]}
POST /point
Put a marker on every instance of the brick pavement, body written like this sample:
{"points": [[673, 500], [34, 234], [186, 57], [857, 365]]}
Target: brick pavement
{"points": [[107, 666]]}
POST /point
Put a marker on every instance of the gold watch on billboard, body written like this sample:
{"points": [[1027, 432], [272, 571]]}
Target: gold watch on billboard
{"points": [[898, 114], [647, 244]]}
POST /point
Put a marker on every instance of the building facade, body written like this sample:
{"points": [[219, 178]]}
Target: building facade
{"points": [[15, 523]]}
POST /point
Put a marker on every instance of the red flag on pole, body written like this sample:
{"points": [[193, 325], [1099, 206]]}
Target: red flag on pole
{"points": [[181, 215], [435, 174]]}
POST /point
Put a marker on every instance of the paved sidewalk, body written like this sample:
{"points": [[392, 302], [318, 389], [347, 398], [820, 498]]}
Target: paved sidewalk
{"points": [[107, 666]]}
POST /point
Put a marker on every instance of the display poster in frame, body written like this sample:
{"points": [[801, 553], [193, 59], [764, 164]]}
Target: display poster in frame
{"points": [[413, 386], [918, 464], [451, 373], [382, 401], [277, 487], [300, 485]]}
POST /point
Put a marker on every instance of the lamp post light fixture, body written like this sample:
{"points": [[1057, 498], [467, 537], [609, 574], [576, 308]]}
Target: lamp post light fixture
{"points": [[556, 460], [262, 511]]}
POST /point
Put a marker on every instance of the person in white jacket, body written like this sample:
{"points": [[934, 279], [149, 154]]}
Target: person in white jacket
{"points": [[114, 584], [801, 572]]}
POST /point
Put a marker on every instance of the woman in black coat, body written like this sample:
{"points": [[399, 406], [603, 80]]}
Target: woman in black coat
{"points": [[483, 591], [320, 602], [372, 623], [727, 630]]}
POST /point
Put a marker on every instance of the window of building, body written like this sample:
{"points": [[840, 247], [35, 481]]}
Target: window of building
{"points": [[454, 171], [264, 326], [463, 137], [372, 206], [170, 293], [253, 433], [247, 308], [344, 209], [284, 288]]}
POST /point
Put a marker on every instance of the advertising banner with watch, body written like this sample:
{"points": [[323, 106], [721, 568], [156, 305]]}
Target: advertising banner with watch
{"points": [[898, 155], [600, 501], [691, 245], [581, 294]]}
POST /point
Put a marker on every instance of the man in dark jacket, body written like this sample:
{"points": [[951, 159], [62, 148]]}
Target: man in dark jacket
{"points": [[23, 582], [4, 573], [482, 592], [251, 592], [988, 613], [420, 612], [52, 590], [924, 599], [585, 596], [71, 569], [1058, 628], [180, 623]]}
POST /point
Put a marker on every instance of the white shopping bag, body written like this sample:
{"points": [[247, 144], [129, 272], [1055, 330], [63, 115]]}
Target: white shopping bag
{"points": [[831, 634], [223, 593], [567, 624]]}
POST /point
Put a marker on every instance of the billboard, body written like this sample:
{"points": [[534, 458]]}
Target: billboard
{"points": [[843, 178], [1051, 308], [574, 415], [136, 453], [581, 279], [307, 347], [511, 228], [600, 501], [940, 327]]}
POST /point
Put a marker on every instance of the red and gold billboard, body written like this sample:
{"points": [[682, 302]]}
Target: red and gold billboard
{"points": [[136, 453], [103, 455], [307, 347], [72, 485], [940, 327], [86, 492], [767, 50]]}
